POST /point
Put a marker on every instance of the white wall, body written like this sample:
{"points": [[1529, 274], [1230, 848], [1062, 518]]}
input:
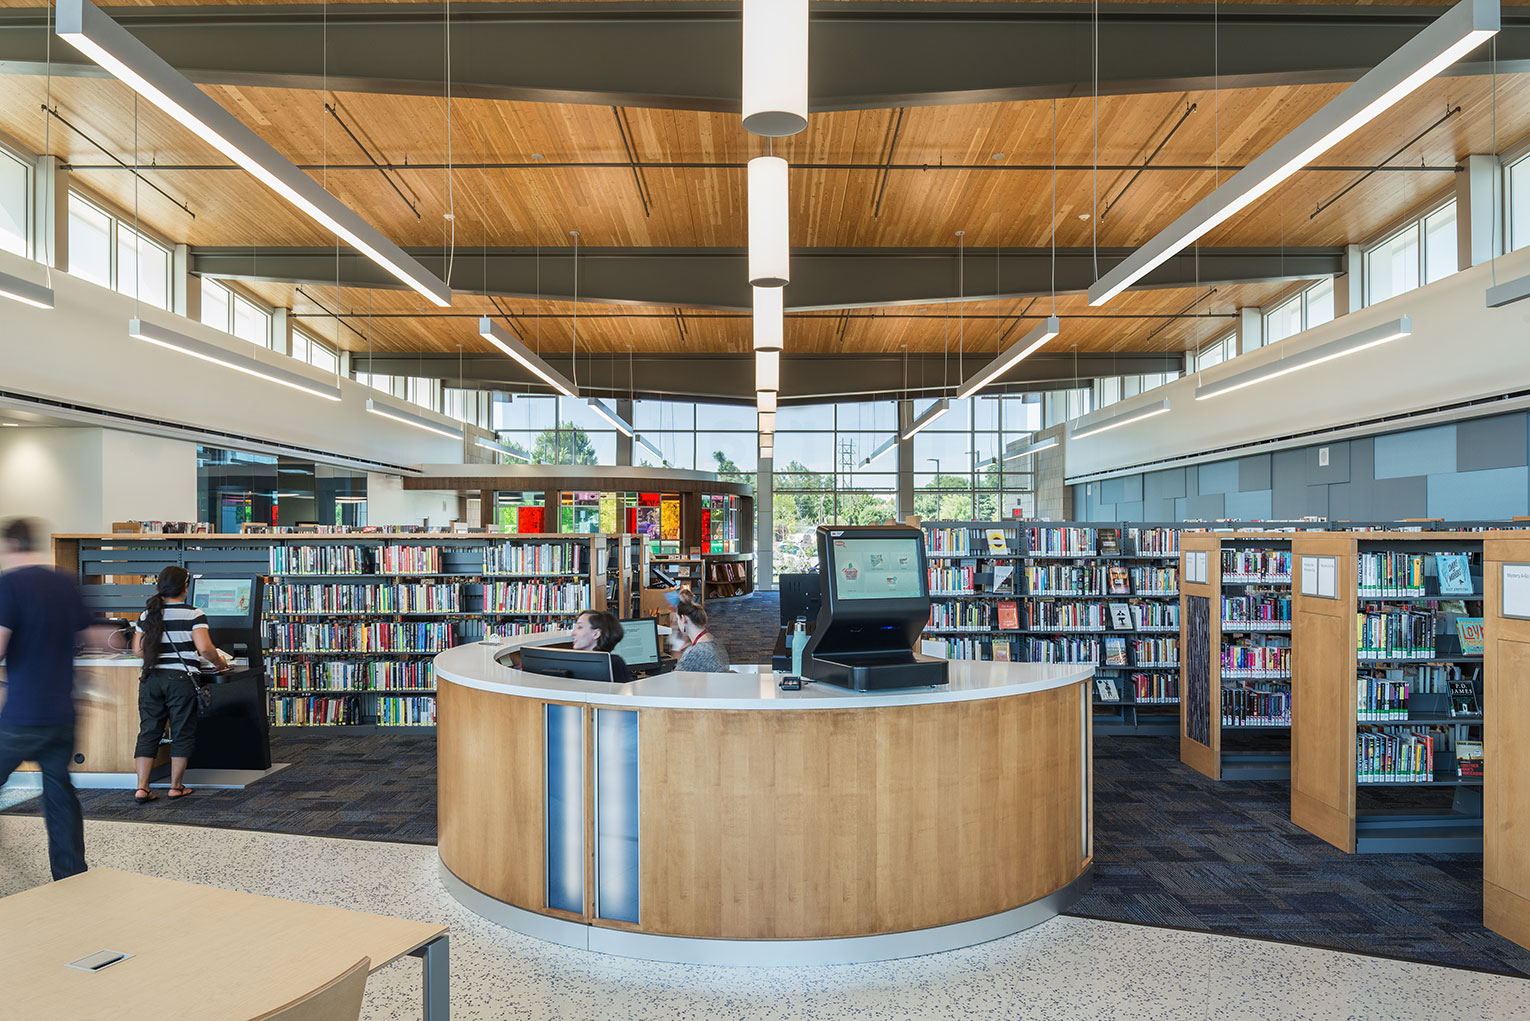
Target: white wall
{"points": [[1459, 349], [81, 480], [389, 503], [80, 352]]}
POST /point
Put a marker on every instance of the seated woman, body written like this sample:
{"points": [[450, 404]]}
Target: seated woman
{"points": [[703, 652], [599, 631]]}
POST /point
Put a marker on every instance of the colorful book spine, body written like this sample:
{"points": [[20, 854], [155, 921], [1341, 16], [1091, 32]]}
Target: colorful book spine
{"points": [[538, 597], [1155, 651], [416, 636], [1155, 616], [949, 540], [330, 558], [1155, 581], [1381, 700], [1256, 662], [1156, 689], [1265, 613], [1394, 756], [1395, 634], [1065, 579], [1061, 542], [1390, 575], [535, 558], [945, 580], [1251, 566], [1058, 615], [1249, 707]]}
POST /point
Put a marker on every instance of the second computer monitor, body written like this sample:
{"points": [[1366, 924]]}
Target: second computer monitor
{"points": [[639, 647], [576, 666]]}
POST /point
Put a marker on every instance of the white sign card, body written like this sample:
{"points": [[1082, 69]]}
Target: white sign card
{"points": [[1309, 576], [1328, 577], [1516, 591]]}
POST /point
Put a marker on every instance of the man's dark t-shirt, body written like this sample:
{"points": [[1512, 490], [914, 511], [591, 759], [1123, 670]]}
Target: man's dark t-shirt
{"points": [[44, 612]]}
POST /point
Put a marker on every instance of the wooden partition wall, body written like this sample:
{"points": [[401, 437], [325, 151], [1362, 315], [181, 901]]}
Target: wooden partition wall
{"points": [[1506, 721], [1200, 639], [1323, 731]]}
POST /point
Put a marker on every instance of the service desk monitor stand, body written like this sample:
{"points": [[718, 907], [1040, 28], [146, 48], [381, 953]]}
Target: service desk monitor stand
{"points": [[235, 731], [875, 602]]}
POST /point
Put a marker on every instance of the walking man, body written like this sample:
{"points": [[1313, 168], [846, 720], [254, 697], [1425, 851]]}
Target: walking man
{"points": [[41, 617]]}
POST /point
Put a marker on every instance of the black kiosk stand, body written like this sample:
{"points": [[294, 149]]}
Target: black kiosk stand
{"points": [[875, 602], [235, 731]]}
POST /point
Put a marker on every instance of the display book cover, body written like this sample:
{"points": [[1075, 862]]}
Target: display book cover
{"points": [[1115, 650], [1119, 582], [1009, 616], [997, 542], [1471, 631], [1455, 573], [1105, 687], [1120, 616], [1463, 698]]}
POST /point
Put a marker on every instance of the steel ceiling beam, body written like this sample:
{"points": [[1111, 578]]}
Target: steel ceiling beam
{"points": [[729, 377], [822, 278], [686, 56]]}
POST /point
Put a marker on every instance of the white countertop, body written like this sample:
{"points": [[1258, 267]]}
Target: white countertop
{"points": [[747, 687]]}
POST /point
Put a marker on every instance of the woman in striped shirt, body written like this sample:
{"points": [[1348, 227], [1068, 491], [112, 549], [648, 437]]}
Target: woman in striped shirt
{"points": [[170, 635]]}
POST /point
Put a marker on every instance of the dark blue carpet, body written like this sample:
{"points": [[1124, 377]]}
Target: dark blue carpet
{"points": [[1175, 848]]}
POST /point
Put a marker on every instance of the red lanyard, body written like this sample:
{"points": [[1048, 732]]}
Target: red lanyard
{"points": [[698, 636]]}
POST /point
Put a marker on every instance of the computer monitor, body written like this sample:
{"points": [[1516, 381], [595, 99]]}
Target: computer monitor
{"points": [[882, 567], [576, 666], [230, 602], [639, 647]]}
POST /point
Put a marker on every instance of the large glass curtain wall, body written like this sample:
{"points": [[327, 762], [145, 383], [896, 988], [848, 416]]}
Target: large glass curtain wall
{"points": [[235, 488]]}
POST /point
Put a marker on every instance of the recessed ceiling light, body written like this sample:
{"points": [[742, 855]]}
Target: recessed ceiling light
{"points": [[449, 216], [1083, 216], [998, 155], [538, 156]]}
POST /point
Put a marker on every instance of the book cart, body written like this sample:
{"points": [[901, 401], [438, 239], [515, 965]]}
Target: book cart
{"points": [[1103, 593], [1387, 743], [353, 620], [1235, 609]]}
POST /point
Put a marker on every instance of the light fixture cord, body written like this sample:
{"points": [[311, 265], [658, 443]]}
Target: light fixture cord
{"points": [[1497, 169], [961, 306], [1054, 208], [451, 198], [51, 231], [575, 356], [1094, 214], [137, 234]]}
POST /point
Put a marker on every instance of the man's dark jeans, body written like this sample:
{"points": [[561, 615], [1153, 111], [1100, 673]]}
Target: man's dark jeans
{"points": [[51, 748]]}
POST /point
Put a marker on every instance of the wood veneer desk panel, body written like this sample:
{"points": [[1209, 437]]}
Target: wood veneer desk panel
{"points": [[826, 814], [106, 721], [200, 953]]}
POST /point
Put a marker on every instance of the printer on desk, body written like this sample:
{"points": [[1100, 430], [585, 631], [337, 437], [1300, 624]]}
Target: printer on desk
{"points": [[875, 601]]}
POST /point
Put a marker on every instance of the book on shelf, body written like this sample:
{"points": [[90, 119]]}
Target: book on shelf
{"points": [[1003, 575], [1472, 634], [997, 541], [1119, 580], [1115, 650], [1110, 542], [1001, 652], [1009, 616], [1463, 699], [1468, 759], [1121, 616], [1455, 574], [1105, 687]]}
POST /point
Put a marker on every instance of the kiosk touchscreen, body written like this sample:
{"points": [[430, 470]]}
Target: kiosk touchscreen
{"points": [[234, 731], [875, 601]]}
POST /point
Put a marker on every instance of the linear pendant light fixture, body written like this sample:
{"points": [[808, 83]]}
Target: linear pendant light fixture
{"points": [[25, 291], [1444, 41], [1017, 352], [1506, 293], [377, 407], [647, 444], [775, 66], [1372, 337], [608, 413], [931, 413], [1089, 425], [501, 448], [1032, 448], [887, 445], [163, 336], [511, 345], [85, 27], [769, 252]]}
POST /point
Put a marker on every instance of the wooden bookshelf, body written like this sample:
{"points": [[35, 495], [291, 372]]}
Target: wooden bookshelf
{"points": [[1212, 741], [728, 575], [1327, 666], [1506, 793], [353, 619]]}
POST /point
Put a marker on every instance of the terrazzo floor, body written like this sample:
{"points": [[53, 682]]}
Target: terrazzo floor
{"points": [[1067, 968]]}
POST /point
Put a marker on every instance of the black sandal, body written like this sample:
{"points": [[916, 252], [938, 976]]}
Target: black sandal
{"points": [[142, 795], [177, 793]]}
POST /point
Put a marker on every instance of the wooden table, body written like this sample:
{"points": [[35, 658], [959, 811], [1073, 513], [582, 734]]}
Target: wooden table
{"points": [[199, 952]]}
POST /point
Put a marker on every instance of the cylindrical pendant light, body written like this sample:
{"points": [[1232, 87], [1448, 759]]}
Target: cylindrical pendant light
{"points": [[769, 318], [765, 400], [775, 66], [767, 371], [769, 254]]}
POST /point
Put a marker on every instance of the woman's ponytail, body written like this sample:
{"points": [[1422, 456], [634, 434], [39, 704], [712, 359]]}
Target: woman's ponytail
{"points": [[172, 581]]}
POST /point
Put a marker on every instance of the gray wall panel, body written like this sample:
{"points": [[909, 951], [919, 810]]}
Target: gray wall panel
{"points": [[1254, 506], [1166, 484], [1181, 508], [1218, 477], [1338, 502], [1112, 490], [1131, 511], [1133, 491], [1253, 473], [1416, 452], [1317, 502], [1207, 507], [1394, 499], [1161, 509], [1491, 443], [1337, 469], [1493, 493]]}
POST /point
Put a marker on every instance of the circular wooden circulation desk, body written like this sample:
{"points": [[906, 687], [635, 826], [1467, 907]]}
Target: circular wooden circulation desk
{"points": [[713, 818]]}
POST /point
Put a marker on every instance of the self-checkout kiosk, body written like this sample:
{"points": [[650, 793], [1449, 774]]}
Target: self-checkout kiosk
{"points": [[234, 733], [875, 601]]}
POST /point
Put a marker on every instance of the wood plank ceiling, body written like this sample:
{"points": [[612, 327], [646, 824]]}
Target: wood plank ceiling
{"points": [[965, 173]]}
